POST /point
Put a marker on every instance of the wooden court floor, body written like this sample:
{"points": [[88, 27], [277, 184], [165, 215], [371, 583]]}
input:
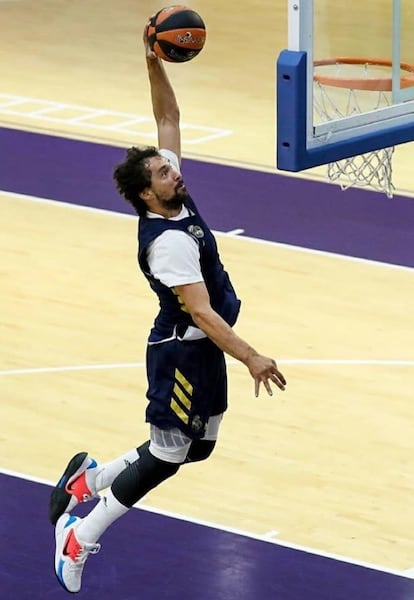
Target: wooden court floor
{"points": [[329, 463]]}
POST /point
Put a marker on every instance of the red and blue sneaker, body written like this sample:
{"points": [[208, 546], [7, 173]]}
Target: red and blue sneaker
{"points": [[77, 484], [71, 554]]}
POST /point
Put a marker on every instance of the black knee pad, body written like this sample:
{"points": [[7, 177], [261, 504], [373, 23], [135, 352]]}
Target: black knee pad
{"points": [[200, 450], [143, 447], [141, 476]]}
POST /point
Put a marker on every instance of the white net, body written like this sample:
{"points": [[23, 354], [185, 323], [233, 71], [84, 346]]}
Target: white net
{"points": [[373, 169]]}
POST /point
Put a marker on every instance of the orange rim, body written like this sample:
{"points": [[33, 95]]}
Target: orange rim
{"points": [[373, 84]]}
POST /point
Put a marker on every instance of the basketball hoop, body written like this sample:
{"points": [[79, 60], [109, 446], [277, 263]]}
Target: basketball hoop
{"points": [[349, 86]]}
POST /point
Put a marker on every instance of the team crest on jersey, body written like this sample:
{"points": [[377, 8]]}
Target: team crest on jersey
{"points": [[196, 231], [197, 424]]}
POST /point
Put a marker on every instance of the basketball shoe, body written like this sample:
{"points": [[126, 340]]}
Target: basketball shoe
{"points": [[71, 553], [77, 484]]}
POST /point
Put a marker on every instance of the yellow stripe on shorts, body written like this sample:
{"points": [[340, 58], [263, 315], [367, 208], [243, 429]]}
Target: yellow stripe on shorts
{"points": [[181, 401], [179, 411], [182, 397], [184, 382]]}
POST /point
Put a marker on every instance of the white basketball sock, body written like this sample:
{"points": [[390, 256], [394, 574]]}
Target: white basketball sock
{"points": [[107, 472], [108, 510]]}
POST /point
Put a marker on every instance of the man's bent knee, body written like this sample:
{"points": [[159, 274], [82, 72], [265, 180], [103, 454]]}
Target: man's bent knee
{"points": [[200, 450]]}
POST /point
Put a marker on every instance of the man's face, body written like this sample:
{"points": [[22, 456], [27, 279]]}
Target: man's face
{"points": [[166, 183]]}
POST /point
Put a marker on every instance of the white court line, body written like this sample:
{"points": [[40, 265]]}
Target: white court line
{"points": [[68, 368], [44, 114], [294, 248], [312, 362], [270, 535], [234, 232], [265, 538]]}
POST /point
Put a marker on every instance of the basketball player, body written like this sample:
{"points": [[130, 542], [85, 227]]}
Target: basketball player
{"points": [[187, 385]]}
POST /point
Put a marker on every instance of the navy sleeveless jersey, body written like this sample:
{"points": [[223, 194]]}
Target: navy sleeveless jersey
{"points": [[173, 314]]}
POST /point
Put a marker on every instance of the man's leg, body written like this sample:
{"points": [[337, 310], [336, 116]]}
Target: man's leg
{"points": [[76, 538], [83, 478], [158, 460]]}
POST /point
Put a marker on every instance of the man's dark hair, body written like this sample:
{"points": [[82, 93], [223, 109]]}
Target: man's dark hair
{"points": [[132, 176]]}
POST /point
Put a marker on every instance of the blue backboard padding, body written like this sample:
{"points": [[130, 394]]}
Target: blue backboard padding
{"points": [[292, 151]]}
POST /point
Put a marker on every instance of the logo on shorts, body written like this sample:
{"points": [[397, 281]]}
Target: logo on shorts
{"points": [[197, 424], [196, 231]]}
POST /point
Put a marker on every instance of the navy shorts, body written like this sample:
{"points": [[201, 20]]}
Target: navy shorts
{"points": [[187, 384]]}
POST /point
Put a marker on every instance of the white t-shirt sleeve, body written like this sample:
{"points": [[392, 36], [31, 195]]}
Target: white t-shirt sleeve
{"points": [[174, 259], [172, 157]]}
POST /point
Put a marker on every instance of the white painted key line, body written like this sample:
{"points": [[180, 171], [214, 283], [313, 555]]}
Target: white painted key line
{"points": [[311, 362]]}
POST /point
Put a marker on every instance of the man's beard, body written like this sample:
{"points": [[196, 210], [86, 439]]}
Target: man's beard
{"points": [[176, 201]]}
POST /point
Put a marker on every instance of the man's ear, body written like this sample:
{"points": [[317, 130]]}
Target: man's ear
{"points": [[146, 194]]}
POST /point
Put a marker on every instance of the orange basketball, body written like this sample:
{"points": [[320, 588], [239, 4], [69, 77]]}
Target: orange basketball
{"points": [[176, 33]]}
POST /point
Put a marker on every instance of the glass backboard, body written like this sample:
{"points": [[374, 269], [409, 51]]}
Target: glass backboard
{"points": [[345, 84]]}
